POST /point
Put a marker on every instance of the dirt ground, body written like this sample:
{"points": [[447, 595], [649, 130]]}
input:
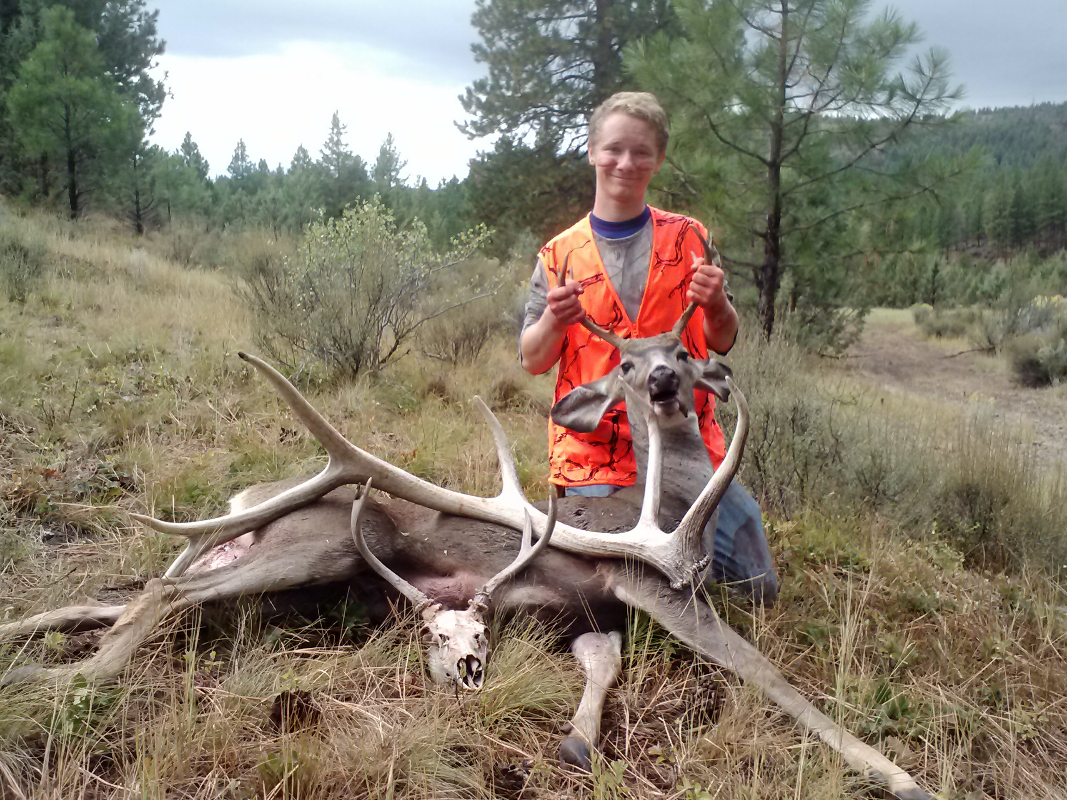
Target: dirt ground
{"points": [[894, 356]]}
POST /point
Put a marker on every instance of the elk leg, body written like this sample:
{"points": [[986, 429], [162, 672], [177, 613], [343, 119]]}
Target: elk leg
{"points": [[600, 655], [161, 598], [696, 624], [72, 619]]}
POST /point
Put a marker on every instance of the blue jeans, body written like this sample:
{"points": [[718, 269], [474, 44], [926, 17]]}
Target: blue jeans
{"points": [[740, 555]]}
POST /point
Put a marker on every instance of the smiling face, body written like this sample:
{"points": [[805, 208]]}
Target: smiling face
{"points": [[625, 153]]}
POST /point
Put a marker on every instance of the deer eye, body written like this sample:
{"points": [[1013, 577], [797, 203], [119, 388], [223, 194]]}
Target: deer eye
{"points": [[683, 356], [626, 366]]}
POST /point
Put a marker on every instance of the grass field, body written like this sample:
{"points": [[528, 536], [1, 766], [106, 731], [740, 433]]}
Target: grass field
{"points": [[919, 551]]}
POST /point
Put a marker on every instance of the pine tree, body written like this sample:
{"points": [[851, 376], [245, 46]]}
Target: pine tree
{"points": [[774, 102], [64, 107], [192, 157], [240, 167], [551, 62], [345, 175]]}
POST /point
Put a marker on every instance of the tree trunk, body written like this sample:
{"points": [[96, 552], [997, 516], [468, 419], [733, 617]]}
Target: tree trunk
{"points": [[604, 79], [769, 276], [72, 182], [72, 163]]}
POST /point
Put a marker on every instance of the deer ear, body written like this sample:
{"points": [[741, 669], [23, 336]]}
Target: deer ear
{"points": [[712, 378], [584, 406]]}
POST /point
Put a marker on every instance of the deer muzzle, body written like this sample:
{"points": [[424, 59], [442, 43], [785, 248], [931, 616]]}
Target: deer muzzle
{"points": [[663, 384]]}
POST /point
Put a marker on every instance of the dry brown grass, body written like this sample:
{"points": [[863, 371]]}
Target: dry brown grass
{"points": [[120, 391]]}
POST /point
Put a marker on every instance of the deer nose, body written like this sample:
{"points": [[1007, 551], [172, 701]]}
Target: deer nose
{"points": [[663, 383]]}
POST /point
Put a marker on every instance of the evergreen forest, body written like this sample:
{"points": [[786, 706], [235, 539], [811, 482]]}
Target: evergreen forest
{"points": [[882, 193]]}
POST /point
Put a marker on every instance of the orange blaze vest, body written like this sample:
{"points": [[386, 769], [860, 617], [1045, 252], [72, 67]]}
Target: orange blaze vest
{"points": [[606, 455]]}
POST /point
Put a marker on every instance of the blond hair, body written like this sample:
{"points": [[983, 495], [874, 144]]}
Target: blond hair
{"points": [[641, 105]]}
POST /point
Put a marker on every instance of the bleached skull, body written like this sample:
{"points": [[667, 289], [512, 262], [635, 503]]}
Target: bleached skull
{"points": [[457, 646], [457, 642]]}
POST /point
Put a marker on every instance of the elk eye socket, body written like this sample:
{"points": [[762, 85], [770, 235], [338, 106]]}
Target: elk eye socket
{"points": [[626, 366]]}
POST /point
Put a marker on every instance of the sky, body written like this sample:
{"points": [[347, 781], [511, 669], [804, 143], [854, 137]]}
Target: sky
{"points": [[273, 72]]}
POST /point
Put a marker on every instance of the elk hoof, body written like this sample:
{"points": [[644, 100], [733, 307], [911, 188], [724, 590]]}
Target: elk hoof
{"points": [[574, 752]]}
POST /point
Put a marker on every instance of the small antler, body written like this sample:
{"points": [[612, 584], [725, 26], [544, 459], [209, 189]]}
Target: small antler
{"points": [[527, 553], [417, 597], [610, 337]]}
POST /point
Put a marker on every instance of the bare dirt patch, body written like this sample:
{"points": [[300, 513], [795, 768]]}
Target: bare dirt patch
{"points": [[894, 356]]}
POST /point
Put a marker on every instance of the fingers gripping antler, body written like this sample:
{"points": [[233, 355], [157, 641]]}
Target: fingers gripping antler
{"points": [[610, 337], [711, 256]]}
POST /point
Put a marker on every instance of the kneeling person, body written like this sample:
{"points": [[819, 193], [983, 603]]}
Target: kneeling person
{"points": [[635, 269]]}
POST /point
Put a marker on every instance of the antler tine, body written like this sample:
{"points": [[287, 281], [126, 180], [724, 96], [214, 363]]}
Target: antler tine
{"points": [[527, 553], [650, 503], [690, 529], [610, 337], [509, 473], [417, 598], [711, 256]]}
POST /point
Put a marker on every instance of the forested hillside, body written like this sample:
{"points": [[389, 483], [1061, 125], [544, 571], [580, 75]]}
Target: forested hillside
{"points": [[886, 197]]}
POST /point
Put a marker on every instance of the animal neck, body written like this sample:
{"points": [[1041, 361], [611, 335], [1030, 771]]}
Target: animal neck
{"points": [[687, 466]]}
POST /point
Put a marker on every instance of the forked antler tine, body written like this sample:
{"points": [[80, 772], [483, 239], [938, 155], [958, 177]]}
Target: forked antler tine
{"points": [[610, 337], [509, 472], [691, 528], [527, 553], [417, 598], [711, 256]]}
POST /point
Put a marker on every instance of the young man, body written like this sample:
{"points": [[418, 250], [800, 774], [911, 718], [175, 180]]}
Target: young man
{"points": [[641, 267]]}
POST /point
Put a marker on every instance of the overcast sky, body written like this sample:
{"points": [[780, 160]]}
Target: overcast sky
{"points": [[273, 71]]}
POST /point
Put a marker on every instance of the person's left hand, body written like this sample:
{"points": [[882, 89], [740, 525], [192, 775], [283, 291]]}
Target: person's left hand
{"points": [[708, 286]]}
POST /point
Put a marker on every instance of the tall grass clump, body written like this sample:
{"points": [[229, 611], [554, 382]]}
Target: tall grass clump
{"points": [[23, 260]]}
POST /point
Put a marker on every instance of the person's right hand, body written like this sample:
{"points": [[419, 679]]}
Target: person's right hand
{"points": [[564, 305]]}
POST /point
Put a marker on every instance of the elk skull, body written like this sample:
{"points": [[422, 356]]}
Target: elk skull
{"points": [[457, 642]]}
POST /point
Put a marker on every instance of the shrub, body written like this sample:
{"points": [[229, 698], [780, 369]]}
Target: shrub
{"points": [[1039, 356], [461, 334], [355, 293], [951, 323]]}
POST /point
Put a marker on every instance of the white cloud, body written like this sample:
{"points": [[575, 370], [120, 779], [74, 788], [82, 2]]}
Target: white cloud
{"points": [[278, 101]]}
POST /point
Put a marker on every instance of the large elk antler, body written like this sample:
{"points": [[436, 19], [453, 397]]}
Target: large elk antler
{"points": [[678, 555]]}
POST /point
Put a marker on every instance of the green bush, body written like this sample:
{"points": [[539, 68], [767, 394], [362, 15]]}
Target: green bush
{"points": [[1039, 355], [941, 323], [356, 292], [460, 335]]}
